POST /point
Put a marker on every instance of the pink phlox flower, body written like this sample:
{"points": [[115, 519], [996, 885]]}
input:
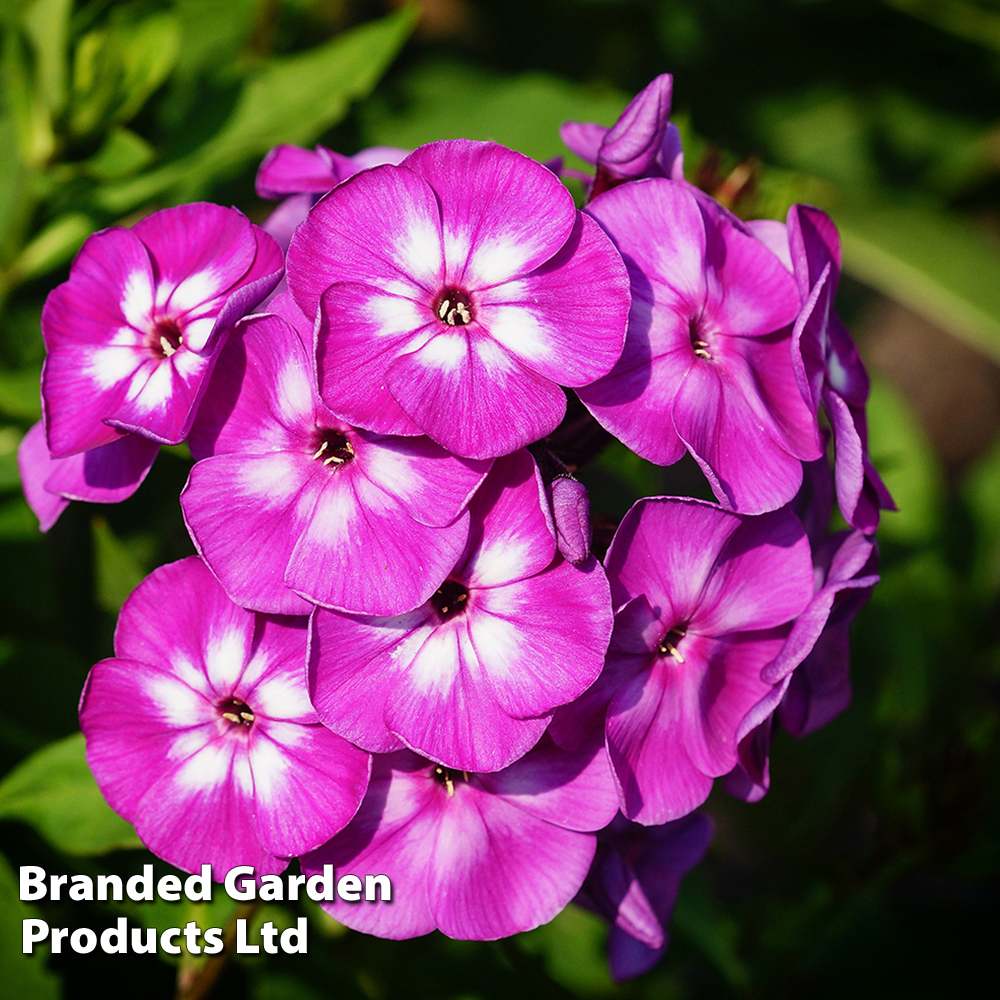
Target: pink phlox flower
{"points": [[633, 884], [108, 474], [302, 176], [200, 731], [133, 334], [829, 369], [707, 364], [455, 294], [291, 506], [643, 142], [477, 856], [706, 600], [811, 673], [471, 677]]}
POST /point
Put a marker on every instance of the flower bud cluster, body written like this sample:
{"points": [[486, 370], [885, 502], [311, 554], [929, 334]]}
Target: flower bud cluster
{"points": [[394, 651]]}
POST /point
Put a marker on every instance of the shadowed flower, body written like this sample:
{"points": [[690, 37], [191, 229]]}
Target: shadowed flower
{"points": [[633, 884], [200, 732], [706, 600], [707, 364]]}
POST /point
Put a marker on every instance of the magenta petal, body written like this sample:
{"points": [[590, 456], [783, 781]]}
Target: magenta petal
{"points": [[567, 319], [634, 141], [203, 625], [359, 551], [35, 466], [497, 870], [393, 835], [483, 189], [571, 517], [360, 333], [245, 514], [665, 548], [260, 281], [354, 664], [772, 547], [430, 484], [397, 249], [572, 790], [710, 412], [292, 170], [553, 627], [583, 138], [201, 250], [300, 807], [645, 727], [467, 393], [107, 474], [94, 348], [514, 535], [444, 706]]}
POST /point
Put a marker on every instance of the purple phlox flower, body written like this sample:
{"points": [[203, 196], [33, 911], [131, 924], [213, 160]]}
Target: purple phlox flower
{"points": [[810, 674], [707, 363], [456, 292], [642, 143], [633, 884], [293, 170], [290, 505], [706, 599], [302, 176], [471, 677], [477, 856], [200, 731], [829, 369], [133, 334]]}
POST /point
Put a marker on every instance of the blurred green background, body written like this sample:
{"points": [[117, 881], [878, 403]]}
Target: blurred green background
{"points": [[871, 868]]}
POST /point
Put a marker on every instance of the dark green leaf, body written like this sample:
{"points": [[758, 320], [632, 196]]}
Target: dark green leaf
{"points": [[23, 976]]}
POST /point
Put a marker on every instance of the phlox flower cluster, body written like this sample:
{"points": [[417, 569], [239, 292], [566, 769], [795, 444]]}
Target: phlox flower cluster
{"points": [[394, 651]]}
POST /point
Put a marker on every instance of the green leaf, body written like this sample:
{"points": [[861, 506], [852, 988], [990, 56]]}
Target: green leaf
{"points": [[10, 478], [981, 491], [119, 568], [957, 17], [23, 976], [20, 394], [123, 153], [572, 948], [901, 452], [46, 23], [450, 100], [292, 99], [936, 264], [53, 246], [54, 791]]}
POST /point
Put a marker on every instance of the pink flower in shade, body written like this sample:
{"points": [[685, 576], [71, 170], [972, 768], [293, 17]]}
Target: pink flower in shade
{"points": [[107, 474], [305, 175], [133, 334], [455, 293], [633, 884], [706, 600], [289, 502], [471, 677], [829, 370], [642, 143], [811, 673], [707, 365], [200, 732], [477, 856]]}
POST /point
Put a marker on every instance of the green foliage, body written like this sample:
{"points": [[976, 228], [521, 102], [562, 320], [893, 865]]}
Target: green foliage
{"points": [[23, 976], [54, 791]]}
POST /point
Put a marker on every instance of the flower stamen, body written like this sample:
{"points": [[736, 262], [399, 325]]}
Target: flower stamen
{"points": [[239, 713]]}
